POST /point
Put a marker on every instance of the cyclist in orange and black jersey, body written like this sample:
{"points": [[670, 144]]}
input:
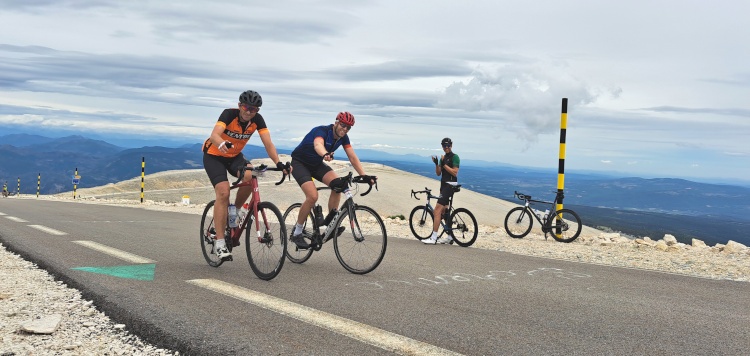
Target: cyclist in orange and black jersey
{"points": [[222, 153]]}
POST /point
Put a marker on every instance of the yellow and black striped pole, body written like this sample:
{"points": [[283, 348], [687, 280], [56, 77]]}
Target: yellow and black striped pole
{"points": [[38, 184], [18, 192], [74, 184], [143, 173], [561, 161]]}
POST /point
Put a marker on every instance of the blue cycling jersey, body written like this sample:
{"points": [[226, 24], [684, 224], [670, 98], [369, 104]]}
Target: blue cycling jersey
{"points": [[305, 152]]}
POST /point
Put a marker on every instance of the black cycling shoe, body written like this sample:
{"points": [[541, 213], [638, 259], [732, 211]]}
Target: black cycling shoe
{"points": [[299, 240]]}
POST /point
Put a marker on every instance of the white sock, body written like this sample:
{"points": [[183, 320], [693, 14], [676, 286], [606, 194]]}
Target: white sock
{"points": [[297, 229], [220, 243], [434, 235]]}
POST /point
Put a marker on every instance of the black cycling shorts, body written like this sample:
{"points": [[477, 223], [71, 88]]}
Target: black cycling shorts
{"points": [[446, 192], [216, 167], [304, 173]]}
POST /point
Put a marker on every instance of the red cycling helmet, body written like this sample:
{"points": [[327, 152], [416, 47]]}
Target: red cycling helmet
{"points": [[345, 118]]}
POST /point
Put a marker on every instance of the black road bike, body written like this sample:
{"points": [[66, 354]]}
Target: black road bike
{"points": [[459, 223], [564, 225], [358, 232]]}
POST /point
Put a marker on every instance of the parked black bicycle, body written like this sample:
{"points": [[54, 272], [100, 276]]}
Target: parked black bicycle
{"points": [[358, 232], [459, 223], [564, 225]]}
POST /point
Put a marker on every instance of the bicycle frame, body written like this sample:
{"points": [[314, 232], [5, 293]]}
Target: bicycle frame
{"points": [[253, 201], [347, 206], [528, 202], [448, 209]]}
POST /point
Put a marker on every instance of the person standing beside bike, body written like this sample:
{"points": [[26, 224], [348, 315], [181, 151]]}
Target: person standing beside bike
{"points": [[447, 168], [308, 162], [222, 153]]}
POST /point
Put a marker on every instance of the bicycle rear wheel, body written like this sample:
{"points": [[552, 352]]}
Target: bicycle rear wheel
{"points": [[293, 253], [266, 246], [420, 222], [208, 236], [518, 222], [361, 247], [464, 227], [565, 225]]}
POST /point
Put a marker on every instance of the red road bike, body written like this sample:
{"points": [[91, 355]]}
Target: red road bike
{"points": [[266, 249]]}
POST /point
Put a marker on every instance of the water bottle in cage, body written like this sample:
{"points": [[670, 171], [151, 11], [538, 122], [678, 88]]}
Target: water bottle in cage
{"points": [[319, 215], [232, 216]]}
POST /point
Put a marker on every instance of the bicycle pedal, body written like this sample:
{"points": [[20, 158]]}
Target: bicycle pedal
{"points": [[228, 258]]}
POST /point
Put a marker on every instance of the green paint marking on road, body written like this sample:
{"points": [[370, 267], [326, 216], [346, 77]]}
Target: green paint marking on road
{"points": [[143, 272]]}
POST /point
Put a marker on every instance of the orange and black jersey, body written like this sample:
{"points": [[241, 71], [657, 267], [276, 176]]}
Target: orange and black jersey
{"points": [[235, 132]]}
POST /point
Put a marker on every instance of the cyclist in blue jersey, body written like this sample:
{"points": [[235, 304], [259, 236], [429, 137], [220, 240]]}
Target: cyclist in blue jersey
{"points": [[308, 162]]}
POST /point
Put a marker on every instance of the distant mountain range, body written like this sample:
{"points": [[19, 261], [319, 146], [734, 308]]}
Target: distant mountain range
{"points": [[605, 198]]}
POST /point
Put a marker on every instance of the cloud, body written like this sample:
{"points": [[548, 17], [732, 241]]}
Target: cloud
{"points": [[527, 94], [714, 111]]}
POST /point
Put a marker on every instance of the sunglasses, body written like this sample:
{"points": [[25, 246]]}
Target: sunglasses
{"points": [[249, 108], [345, 126], [445, 145]]}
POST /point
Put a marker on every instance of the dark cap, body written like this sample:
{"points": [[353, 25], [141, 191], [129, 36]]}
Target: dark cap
{"points": [[446, 140]]}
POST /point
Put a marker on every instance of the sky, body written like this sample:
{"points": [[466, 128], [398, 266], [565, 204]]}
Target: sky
{"points": [[654, 88]]}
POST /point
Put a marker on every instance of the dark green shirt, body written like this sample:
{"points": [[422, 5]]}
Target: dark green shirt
{"points": [[451, 160]]}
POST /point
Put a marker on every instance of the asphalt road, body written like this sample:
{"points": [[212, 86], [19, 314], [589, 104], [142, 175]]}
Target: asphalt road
{"points": [[420, 300]]}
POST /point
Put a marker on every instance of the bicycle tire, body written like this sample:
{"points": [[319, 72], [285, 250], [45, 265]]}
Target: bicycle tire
{"points": [[361, 249], [464, 227], [568, 221], [518, 222], [420, 222], [266, 249], [207, 242], [290, 219]]}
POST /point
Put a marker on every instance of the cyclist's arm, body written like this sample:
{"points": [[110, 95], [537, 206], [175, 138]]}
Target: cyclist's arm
{"points": [[453, 171], [265, 137], [216, 139], [354, 160], [320, 148]]}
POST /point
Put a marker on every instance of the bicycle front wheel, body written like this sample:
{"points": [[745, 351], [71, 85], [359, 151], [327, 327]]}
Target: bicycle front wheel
{"points": [[420, 222], [565, 225], [266, 245], [208, 236], [518, 222], [464, 227], [361, 247], [293, 253]]}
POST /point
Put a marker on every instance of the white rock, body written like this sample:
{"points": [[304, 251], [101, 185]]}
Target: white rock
{"points": [[699, 243], [670, 239], [44, 325], [734, 247]]}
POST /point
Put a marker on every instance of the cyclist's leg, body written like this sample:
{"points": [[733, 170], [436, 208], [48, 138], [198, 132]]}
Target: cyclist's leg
{"points": [[244, 192], [333, 200], [301, 173], [216, 168], [446, 194], [329, 175]]}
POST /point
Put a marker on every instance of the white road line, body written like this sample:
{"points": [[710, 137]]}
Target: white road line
{"points": [[3, 214], [16, 219], [365, 333], [48, 230], [125, 256]]}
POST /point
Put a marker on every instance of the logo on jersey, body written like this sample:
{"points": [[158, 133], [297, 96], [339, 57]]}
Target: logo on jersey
{"points": [[238, 136]]}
